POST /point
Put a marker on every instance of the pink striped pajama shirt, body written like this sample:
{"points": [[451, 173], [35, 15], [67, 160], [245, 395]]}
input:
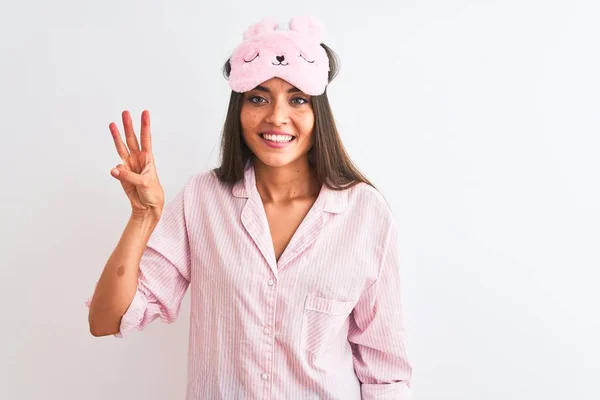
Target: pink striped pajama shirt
{"points": [[323, 322]]}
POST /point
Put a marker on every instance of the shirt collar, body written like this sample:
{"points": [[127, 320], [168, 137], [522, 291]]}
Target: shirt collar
{"points": [[333, 201]]}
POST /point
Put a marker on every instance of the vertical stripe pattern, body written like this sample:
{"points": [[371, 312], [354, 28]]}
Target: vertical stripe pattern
{"points": [[323, 322]]}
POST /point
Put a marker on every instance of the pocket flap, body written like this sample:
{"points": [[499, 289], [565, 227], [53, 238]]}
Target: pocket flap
{"points": [[327, 306]]}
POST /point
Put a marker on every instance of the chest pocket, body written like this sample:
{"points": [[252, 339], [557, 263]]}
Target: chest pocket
{"points": [[322, 320]]}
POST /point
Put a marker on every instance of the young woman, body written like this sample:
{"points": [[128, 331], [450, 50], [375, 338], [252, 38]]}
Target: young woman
{"points": [[291, 254]]}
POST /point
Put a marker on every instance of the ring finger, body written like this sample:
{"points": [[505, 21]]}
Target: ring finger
{"points": [[132, 142], [121, 148]]}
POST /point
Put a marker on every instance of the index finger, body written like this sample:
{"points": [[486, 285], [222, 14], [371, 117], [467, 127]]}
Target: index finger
{"points": [[145, 137]]}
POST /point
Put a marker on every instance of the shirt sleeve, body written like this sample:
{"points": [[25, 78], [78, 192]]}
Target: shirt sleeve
{"points": [[377, 333], [164, 273]]}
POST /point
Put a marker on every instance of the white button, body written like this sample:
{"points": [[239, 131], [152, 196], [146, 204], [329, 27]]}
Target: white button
{"points": [[264, 376], [271, 282], [266, 331]]}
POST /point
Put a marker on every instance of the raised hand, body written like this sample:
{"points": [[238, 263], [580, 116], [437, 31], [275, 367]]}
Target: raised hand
{"points": [[137, 173]]}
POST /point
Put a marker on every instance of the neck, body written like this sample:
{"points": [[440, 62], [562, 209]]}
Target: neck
{"points": [[287, 183]]}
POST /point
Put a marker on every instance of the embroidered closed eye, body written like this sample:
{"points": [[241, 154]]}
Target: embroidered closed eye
{"points": [[300, 55], [257, 54]]}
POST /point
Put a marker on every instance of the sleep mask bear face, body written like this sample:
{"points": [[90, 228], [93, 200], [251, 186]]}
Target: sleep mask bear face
{"points": [[295, 56]]}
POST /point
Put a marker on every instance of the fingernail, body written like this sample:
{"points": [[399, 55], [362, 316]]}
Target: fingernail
{"points": [[115, 172]]}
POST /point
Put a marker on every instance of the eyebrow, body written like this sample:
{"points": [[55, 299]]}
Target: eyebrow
{"points": [[294, 89]]}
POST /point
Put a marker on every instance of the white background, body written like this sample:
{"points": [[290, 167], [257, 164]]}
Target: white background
{"points": [[478, 120]]}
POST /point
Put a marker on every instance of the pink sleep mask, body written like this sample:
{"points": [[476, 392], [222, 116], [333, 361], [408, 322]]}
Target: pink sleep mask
{"points": [[295, 56]]}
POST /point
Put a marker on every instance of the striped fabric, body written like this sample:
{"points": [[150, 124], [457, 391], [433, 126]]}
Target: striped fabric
{"points": [[323, 322]]}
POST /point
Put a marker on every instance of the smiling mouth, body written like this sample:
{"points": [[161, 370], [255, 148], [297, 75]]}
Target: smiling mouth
{"points": [[276, 141], [280, 64]]}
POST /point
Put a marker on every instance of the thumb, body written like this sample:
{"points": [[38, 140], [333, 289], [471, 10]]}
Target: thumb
{"points": [[118, 172], [126, 176]]}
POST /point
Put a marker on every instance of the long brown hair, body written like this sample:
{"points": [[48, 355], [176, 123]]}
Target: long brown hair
{"points": [[328, 156]]}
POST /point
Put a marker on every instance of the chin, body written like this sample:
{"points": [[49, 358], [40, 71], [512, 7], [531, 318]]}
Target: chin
{"points": [[278, 160], [274, 161]]}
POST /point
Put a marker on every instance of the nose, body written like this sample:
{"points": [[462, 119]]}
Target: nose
{"points": [[278, 114], [280, 58]]}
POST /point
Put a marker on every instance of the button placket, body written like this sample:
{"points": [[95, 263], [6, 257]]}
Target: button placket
{"points": [[268, 340]]}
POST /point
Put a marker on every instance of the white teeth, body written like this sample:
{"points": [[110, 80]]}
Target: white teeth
{"points": [[278, 138]]}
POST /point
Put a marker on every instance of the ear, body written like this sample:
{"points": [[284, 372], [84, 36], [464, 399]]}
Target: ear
{"points": [[309, 26], [266, 25]]}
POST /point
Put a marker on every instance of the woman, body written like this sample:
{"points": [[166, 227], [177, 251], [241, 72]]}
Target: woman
{"points": [[290, 253]]}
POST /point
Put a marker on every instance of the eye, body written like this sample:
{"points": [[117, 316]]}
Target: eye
{"points": [[302, 100], [256, 99]]}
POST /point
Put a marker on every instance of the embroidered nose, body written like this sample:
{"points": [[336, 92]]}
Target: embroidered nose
{"points": [[280, 58]]}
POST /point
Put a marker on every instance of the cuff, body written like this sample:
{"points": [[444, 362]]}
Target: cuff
{"points": [[391, 391], [132, 317]]}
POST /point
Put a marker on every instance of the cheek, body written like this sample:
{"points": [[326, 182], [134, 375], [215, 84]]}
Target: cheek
{"points": [[248, 119], [305, 122]]}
